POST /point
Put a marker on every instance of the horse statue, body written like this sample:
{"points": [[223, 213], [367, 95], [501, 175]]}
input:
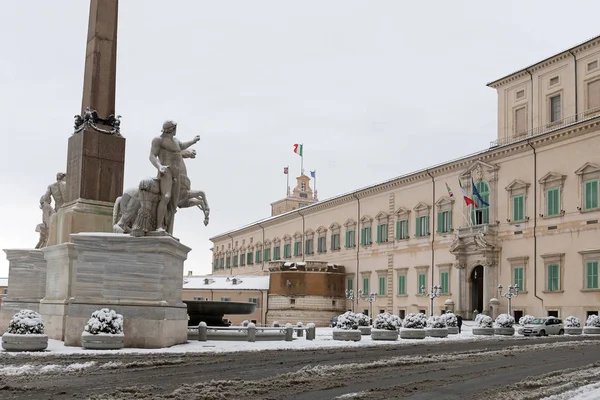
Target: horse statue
{"points": [[130, 217]]}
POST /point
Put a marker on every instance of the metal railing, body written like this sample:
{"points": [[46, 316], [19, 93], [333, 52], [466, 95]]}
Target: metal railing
{"points": [[552, 126]]}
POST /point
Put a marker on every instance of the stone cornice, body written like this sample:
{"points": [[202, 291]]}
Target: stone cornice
{"points": [[453, 166]]}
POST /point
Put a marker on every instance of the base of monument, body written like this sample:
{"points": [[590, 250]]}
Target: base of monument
{"points": [[80, 216], [144, 326]]}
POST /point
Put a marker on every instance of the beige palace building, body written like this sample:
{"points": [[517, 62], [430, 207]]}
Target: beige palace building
{"points": [[540, 230]]}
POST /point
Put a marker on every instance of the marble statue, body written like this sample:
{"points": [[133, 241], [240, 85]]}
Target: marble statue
{"points": [[44, 227], [56, 191], [140, 210], [165, 155]]}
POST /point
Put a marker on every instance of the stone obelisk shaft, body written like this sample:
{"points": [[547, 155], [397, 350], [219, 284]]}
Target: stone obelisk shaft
{"points": [[99, 82], [95, 160]]}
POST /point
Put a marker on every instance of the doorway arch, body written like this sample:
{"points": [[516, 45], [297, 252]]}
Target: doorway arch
{"points": [[477, 289]]}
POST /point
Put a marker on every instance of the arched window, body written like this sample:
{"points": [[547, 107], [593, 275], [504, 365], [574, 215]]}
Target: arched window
{"points": [[481, 214]]}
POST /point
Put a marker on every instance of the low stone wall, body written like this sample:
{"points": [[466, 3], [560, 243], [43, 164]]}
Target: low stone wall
{"points": [[249, 333]]}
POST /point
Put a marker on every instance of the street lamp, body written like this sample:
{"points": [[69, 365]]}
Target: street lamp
{"points": [[370, 299], [436, 291], [513, 291], [350, 296]]}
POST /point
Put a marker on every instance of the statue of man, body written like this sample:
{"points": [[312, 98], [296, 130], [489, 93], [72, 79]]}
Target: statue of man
{"points": [[165, 155], [56, 190], [44, 228]]}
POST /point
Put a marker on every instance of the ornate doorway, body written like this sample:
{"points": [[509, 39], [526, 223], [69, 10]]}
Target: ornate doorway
{"points": [[477, 289]]}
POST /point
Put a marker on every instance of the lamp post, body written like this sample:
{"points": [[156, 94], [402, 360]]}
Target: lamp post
{"points": [[436, 291], [372, 297], [350, 296], [513, 291]]}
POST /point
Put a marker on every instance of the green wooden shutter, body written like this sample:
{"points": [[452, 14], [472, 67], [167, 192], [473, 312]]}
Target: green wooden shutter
{"points": [[427, 225], [440, 222], [553, 201], [418, 232], [366, 286], [379, 233], [591, 195], [381, 286], [592, 275], [350, 284], [402, 284]]}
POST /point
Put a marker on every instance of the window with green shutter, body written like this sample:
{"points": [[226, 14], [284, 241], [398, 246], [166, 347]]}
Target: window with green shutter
{"points": [[553, 278], [322, 245], [422, 281], [445, 282], [381, 286], [591, 195], [553, 202], [350, 284], [422, 226], [591, 275], [235, 260], [382, 233], [335, 241], [402, 229], [287, 250], [277, 253], [518, 278], [365, 236], [258, 257], [401, 284], [308, 246], [249, 258], [365, 287], [242, 259], [267, 254], [297, 249], [350, 239], [444, 221], [518, 205], [480, 214]]}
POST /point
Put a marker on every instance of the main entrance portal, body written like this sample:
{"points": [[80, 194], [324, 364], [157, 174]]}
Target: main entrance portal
{"points": [[477, 289]]}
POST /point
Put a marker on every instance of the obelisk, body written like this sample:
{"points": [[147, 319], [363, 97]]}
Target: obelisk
{"points": [[95, 157]]}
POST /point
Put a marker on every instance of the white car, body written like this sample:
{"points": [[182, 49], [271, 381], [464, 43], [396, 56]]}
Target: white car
{"points": [[544, 326]]}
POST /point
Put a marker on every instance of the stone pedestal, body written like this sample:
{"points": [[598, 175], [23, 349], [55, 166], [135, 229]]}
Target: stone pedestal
{"points": [[140, 278], [80, 216], [61, 261], [26, 283]]}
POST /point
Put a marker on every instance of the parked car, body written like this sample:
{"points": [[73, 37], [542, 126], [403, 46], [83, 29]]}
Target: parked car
{"points": [[544, 326], [333, 321]]}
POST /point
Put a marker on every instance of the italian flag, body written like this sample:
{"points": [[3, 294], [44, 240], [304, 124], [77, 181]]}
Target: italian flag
{"points": [[468, 200], [298, 149]]}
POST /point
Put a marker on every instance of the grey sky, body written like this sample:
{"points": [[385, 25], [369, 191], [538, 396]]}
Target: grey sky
{"points": [[374, 89]]}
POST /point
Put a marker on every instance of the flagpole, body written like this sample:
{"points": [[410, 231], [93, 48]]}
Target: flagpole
{"points": [[315, 196], [302, 159], [287, 184]]}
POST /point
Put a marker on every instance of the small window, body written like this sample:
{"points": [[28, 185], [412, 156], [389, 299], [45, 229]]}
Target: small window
{"points": [[592, 65], [591, 275], [333, 302], [553, 313], [591, 194], [520, 94], [518, 208], [555, 108], [554, 81], [292, 302], [553, 202]]}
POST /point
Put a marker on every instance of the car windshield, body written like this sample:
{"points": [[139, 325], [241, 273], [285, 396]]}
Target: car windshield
{"points": [[538, 321]]}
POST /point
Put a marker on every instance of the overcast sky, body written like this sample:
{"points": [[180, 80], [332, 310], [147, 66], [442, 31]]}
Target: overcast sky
{"points": [[374, 89]]}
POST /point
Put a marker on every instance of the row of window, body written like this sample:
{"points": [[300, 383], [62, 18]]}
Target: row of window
{"points": [[402, 287]]}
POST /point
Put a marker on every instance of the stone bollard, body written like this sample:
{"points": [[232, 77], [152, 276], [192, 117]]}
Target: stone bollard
{"points": [[251, 332], [202, 331], [311, 332], [299, 331], [289, 332]]}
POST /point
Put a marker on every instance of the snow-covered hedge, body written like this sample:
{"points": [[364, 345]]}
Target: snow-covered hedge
{"points": [[387, 321], [450, 319], [105, 321], [572, 322], [484, 321], [593, 320], [26, 322], [526, 319], [505, 321], [347, 320], [363, 319], [437, 322], [415, 321]]}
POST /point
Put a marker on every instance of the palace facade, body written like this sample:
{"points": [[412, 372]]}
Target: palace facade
{"points": [[535, 224]]}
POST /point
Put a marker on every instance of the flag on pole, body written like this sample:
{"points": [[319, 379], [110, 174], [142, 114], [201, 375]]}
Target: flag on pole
{"points": [[285, 170], [449, 191], [476, 194], [298, 149], [313, 174], [468, 200]]}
